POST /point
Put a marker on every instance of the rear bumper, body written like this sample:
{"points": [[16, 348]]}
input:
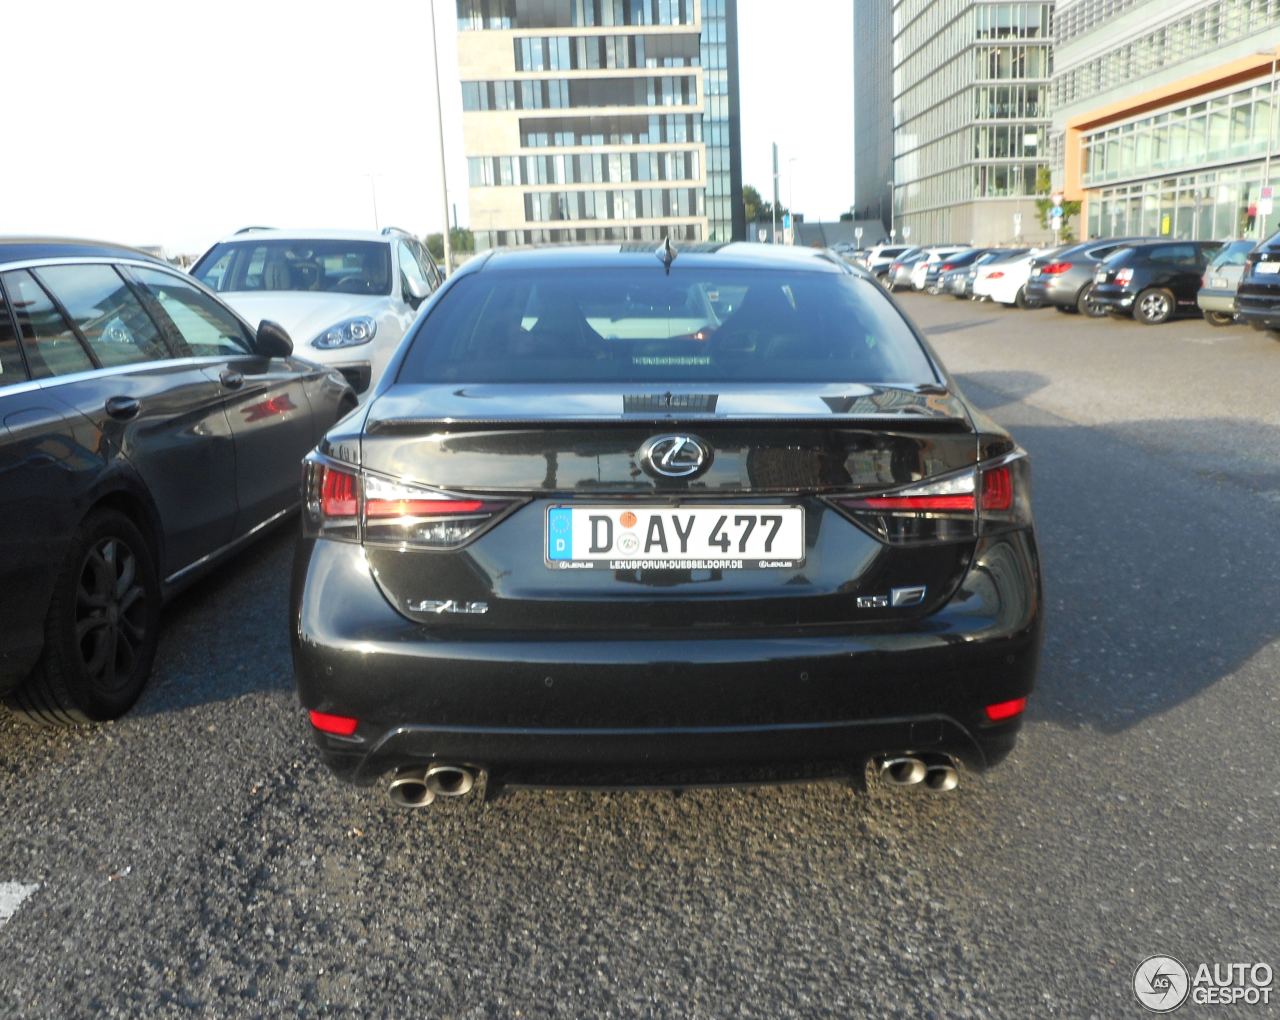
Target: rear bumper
{"points": [[1114, 298], [1258, 309], [1214, 300], [600, 710], [1062, 289]]}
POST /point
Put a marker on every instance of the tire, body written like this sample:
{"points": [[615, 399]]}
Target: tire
{"points": [[1154, 306], [101, 630], [1219, 318], [1085, 304], [1020, 298]]}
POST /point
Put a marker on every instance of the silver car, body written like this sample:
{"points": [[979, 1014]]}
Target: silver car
{"points": [[1217, 297]]}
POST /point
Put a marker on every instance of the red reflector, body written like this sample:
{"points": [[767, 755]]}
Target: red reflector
{"points": [[963, 501], [1006, 709], [421, 507], [997, 489], [339, 725], [1054, 268], [337, 493]]}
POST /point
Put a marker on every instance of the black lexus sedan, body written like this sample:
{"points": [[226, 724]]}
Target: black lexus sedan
{"points": [[146, 433], [1257, 299], [715, 515], [1152, 281]]}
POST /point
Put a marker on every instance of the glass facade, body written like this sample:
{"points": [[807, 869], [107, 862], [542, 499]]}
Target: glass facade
{"points": [[1214, 205], [970, 113], [688, 48], [1219, 129], [478, 15]]}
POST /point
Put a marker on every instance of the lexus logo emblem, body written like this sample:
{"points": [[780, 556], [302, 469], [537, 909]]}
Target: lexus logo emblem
{"points": [[675, 456]]}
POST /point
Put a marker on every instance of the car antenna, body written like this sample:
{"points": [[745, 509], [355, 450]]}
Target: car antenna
{"points": [[666, 254]]}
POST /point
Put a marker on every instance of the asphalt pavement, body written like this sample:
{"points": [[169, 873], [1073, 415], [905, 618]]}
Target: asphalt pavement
{"points": [[194, 859]]}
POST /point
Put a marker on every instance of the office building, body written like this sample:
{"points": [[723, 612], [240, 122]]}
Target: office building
{"points": [[1164, 114], [970, 117], [872, 109], [601, 120]]}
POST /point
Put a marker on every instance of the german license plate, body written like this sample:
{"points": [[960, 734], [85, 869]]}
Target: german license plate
{"points": [[1036, 271], [674, 538], [1217, 281], [1267, 267]]}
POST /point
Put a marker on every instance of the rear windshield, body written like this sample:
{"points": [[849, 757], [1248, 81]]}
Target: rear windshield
{"points": [[327, 266], [696, 325], [1234, 254]]}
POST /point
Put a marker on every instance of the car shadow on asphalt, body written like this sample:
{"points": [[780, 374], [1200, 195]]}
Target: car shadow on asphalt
{"points": [[1156, 576], [228, 634]]}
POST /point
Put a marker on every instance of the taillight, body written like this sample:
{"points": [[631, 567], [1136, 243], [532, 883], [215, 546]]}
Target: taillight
{"points": [[399, 514], [356, 506], [997, 275], [1124, 276], [944, 267], [1054, 268], [955, 508], [338, 725], [1003, 710]]}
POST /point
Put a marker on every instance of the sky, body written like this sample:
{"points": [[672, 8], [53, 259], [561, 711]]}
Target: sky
{"points": [[166, 122]]}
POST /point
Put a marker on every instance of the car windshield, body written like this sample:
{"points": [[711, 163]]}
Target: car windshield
{"points": [[327, 266], [699, 324], [1234, 254]]}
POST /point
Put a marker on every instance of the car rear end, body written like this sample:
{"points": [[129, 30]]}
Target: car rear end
{"points": [[730, 523], [1258, 295], [1217, 294], [1117, 280], [1055, 277]]}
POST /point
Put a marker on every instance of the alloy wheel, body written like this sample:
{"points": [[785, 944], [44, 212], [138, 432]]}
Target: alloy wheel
{"points": [[1153, 307], [111, 615]]}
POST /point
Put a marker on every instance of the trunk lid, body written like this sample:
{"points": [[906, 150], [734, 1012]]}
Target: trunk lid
{"points": [[770, 448]]}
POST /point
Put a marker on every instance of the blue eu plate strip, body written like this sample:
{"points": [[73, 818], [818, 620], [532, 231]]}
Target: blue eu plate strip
{"points": [[559, 534]]}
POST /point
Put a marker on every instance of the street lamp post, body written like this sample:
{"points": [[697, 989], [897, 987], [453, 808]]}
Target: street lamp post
{"points": [[444, 178], [791, 195], [1271, 136], [892, 232]]}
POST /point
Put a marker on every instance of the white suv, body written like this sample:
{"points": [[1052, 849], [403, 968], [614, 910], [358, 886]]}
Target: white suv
{"points": [[346, 297]]}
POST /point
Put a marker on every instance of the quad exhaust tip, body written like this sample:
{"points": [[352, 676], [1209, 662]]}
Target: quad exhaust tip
{"points": [[908, 770], [419, 787]]}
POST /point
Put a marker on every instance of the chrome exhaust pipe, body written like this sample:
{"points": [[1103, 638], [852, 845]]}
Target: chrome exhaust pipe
{"points": [[449, 780], [409, 789], [902, 771], [941, 778]]}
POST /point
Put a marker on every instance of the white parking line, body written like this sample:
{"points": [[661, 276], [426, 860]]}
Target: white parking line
{"points": [[12, 896]]}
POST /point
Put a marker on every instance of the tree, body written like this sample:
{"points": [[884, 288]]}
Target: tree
{"points": [[1043, 204], [460, 238], [758, 210]]}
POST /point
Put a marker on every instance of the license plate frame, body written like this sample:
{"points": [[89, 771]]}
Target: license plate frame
{"points": [[611, 552]]}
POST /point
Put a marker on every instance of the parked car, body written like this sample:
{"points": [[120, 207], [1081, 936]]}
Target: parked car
{"points": [[900, 269], [1005, 282], [934, 270], [1064, 278], [348, 296], [882, 256], [962, 279], [1153, 280], [589, 531], [933, 258], [1216, 297], [147, 432], [1258, 296]]}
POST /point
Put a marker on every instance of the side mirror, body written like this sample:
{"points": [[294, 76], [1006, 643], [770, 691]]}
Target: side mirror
{"points": [[415, 291], [273, 341]]}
